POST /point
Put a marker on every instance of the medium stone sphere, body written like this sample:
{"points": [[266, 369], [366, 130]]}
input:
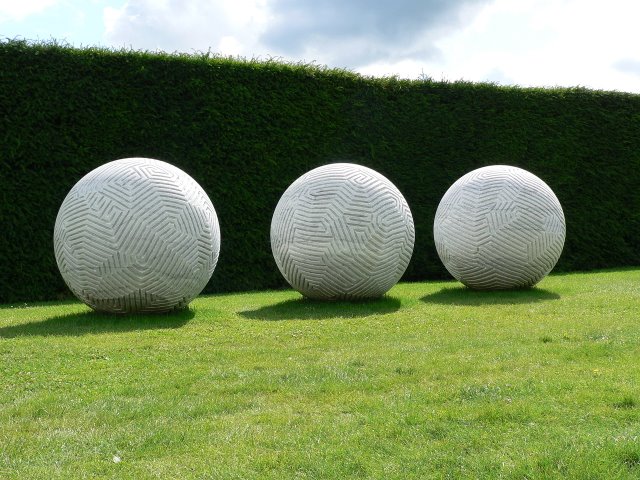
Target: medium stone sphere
{"points": [[342, 231], [136, 235], [499, 227]]}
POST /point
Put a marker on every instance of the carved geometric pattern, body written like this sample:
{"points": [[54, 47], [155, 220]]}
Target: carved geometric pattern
{"points": [[499, 227], [342, 231], [136, 235]]}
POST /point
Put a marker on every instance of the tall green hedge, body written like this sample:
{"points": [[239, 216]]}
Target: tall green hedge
{"points": [[245, 130]]}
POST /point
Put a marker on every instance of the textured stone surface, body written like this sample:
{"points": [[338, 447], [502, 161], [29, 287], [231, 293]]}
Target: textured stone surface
{"points": [[136, 235], [499, 227], [342, 231]]}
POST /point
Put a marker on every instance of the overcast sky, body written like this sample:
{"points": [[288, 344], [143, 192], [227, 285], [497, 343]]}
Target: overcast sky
{"points": [[589, 43]]}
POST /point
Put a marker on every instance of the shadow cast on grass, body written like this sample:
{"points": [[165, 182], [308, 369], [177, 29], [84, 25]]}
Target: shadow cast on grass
{"points": [[77, 324], [307, 309], [467, 296]]}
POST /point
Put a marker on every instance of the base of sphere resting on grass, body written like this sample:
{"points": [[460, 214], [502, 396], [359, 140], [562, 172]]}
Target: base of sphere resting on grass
{"points": [[342, 231], [499, 227], [136, 235]]}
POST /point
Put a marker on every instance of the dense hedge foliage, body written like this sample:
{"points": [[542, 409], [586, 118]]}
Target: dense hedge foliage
{"points": [[246, 130]]}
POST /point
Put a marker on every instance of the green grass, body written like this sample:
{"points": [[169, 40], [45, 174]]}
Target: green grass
{"points": [[433, 381]]}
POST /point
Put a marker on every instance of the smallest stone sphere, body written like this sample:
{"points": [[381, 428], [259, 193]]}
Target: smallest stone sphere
{"points": [[499, 227]]}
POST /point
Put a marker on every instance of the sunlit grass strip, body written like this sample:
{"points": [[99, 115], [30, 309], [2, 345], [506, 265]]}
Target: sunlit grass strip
{"points": [[433, 381]]}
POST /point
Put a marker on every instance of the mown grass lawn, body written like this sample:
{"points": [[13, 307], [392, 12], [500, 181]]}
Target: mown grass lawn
{"points": [[434, 381]]}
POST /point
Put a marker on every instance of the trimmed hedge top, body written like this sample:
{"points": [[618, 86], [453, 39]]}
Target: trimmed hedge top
{"points": [[245, 130]]}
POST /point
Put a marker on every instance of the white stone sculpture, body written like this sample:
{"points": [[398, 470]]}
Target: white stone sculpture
{"points": [[499, 227], [136, 235], [342, 231]]}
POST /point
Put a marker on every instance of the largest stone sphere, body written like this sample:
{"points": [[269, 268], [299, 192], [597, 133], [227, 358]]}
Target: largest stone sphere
{"points": [[499, 227], [136, 235], [342, 231]]}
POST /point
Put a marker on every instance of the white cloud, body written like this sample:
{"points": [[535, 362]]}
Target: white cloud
{"points": [[538, 43], [16, 10], [628, 65], [338, 33], [230, 28], [356, 33]]}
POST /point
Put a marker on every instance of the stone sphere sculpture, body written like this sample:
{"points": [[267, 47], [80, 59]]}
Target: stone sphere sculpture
{"points": [[499, 227], [342, 231], [136, 235]]}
